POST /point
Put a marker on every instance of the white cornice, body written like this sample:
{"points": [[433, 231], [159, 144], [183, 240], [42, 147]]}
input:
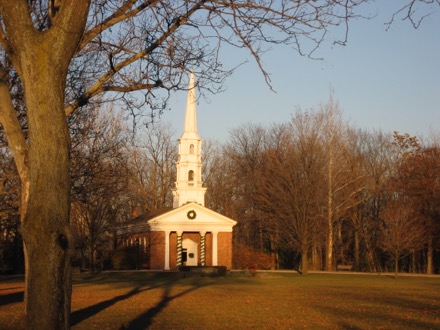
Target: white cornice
{"points": [[205, 221]]}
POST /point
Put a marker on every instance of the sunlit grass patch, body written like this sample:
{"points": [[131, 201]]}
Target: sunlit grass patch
{"points": [[138, 300]]}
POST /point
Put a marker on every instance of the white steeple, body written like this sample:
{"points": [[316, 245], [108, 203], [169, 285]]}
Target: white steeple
{"points": [[189, 186], [190, 130]]}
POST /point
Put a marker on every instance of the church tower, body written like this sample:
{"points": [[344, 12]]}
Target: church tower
{"points": [[189, 186]]}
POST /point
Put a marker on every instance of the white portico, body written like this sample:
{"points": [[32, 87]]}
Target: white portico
{"points": [[198, 234], [188, 234]]}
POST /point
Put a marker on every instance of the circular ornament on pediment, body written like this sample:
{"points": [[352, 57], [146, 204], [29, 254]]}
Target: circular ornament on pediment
{"points": [[191, 214]]}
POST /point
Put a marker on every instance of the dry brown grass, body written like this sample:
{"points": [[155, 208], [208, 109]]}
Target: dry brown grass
{"points": [[140, 300]]}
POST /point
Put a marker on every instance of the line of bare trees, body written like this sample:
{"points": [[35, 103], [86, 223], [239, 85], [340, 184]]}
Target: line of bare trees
{"points": [[315, 193], [114, 176]]}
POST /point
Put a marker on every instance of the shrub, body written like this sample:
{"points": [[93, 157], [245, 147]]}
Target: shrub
{"points": [[210, 271], [246, 257], [124, 258]]}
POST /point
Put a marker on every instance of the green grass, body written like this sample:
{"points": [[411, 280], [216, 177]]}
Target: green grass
{"points": [[140, 300]]}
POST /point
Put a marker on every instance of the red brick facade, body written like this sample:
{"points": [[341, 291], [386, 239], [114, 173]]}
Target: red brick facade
{"points": [[225, 249], [152, 248]]}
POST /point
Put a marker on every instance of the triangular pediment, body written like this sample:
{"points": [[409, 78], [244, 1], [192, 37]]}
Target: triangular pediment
{"points": [[191, 217]]}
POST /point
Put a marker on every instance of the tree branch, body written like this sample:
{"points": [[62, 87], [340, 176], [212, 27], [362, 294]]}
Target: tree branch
{"points": [[96, 88], [13, 130], [13, 12], [73, 16], [118, 16], [4, 40]]}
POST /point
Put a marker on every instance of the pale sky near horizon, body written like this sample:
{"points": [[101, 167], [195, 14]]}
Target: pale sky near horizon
{"points": [[383, 80]]}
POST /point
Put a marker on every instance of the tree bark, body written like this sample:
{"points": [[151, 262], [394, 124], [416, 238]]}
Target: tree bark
{"points": [[430, 255], [45, 224], [330, 192], [42, 60], [304, 258], [356, 250], [329, 241], [92, 255], [370, 256]]}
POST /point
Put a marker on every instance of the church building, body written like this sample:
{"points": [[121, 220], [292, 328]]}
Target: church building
{"points": [[188, 234]]}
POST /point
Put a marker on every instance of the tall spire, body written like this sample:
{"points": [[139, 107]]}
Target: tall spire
{"points": [[189, 185], [190, 129]]}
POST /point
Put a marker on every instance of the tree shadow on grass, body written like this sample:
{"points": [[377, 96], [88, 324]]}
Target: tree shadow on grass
{"points": [[144, 320], [11, 298], [85, 313], [396, 311]]}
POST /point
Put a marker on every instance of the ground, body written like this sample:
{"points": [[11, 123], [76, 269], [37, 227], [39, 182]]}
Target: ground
{"points": [[140, 300]]}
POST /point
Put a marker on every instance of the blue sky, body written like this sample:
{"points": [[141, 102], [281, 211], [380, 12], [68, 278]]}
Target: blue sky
{"points": [[387, 80]]}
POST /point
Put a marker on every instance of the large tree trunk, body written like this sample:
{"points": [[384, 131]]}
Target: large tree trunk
{"points": [[45, 204], [41, 59]]}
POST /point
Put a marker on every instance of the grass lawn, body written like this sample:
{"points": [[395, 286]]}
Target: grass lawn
{"points": [[140, 300]]}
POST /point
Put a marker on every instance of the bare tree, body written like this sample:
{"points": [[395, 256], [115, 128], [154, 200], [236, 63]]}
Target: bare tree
{"points": [[378, 166], [417, 179], [99, 181], [244, 153], [152, 164], [234, 178], [344, 177], [221, 181], [402, 232], [289, 186], [41, 60], [69, 52]]}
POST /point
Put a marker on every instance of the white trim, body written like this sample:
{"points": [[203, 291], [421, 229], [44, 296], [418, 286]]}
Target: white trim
{"points": [[167, 250], [214, 249], [206, 220]]}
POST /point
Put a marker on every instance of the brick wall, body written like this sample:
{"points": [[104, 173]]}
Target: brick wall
{"points": [[208, 245], [157, 250], [224, 241]]}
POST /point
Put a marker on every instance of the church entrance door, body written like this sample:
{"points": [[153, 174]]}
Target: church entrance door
{"points": [[191, 252]]}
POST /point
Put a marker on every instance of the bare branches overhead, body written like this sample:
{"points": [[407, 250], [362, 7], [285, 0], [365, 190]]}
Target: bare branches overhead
{"points": [[415, 11], [139, 47]]}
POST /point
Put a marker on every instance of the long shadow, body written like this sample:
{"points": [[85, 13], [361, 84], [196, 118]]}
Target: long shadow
{"points": [[18, 287], [394, 307], [11, 298], [85, 313], [144, 320]]}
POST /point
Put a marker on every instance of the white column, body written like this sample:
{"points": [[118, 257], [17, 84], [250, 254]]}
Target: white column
{"points": [[214, 248], [167, 250], [179, 249], [202, 248]]}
